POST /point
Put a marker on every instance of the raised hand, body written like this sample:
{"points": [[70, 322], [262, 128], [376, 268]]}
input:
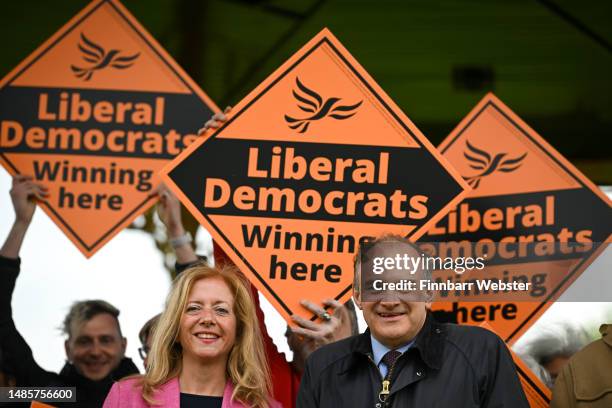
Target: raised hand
{"points": [[24, 193], [169, 211], [215, 121]]}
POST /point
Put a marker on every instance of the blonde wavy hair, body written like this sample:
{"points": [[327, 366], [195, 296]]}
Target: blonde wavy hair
{"points": [[247, 366]]}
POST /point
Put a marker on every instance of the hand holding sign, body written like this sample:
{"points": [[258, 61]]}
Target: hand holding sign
{"points": [[330, 330], [169, 212], [23, 193], [215, 121], [309, 336]]}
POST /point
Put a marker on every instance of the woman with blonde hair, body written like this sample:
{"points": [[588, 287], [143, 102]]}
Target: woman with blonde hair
{"points": [[207, 349]]}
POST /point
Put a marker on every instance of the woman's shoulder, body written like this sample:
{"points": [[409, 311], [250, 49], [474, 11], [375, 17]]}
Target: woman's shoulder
{"points": [[125, 393], [131, 383], [128, 393], [229, 403]]}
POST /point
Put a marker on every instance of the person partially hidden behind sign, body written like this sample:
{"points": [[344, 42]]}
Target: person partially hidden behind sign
{"points": [[407, 359], [95, 347], [302, 339], [586, 380], [549, 347], [207, 348]]}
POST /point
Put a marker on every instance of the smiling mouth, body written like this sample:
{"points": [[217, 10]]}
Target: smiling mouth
{"points": [[389, 315], [207, 336], [96, 366]]}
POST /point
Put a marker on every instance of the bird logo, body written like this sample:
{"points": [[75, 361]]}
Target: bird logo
{"points": [[100, 59], [311, 102], [481, 160]]}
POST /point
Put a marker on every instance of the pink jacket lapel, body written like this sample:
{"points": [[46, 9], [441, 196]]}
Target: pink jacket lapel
{"points": [[227, 397], [169, 395]]}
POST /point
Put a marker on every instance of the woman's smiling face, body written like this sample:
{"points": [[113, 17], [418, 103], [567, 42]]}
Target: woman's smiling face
{"points": [[208, 323]]}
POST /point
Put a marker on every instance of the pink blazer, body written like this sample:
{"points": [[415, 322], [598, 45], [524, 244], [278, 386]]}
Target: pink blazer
{"points": [[127, 394]]}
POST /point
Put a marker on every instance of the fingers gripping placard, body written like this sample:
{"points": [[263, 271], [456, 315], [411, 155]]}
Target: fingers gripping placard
{"points": [[314, 161]]}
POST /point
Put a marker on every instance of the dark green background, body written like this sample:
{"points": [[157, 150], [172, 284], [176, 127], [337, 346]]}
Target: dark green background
{"points": [[549, 61]]}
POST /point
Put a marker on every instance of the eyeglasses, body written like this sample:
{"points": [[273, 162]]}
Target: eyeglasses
{"points": [[143, 351]]}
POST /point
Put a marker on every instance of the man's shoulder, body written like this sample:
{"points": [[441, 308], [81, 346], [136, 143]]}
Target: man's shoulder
{"points": [[334, 353], [469, 333], [471, 340]]}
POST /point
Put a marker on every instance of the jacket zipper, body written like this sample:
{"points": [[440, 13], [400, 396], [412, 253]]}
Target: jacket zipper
{"points": [[385, 383]]}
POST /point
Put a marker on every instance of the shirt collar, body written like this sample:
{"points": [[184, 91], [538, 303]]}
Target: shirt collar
{"points": [[429, 343], [379, 349]]}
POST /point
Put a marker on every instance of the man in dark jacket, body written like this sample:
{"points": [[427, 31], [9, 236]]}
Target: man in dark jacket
{"points": [[95, 348], [406, 359]]}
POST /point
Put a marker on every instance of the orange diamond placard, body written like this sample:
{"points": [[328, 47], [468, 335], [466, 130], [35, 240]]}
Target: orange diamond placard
{"points": [[93, 114], [312, 162], [539, 220]]}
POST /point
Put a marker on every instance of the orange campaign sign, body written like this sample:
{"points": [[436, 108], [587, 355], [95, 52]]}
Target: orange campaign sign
{"points": [[93, 114], [537, 393], [36, 404], [537, 218], [314, 161]]}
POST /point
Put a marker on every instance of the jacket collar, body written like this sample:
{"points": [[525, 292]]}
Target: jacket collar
{"points": [[227, 397], [125, 368], [169, 395], [94, 392], [429, 343]]}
